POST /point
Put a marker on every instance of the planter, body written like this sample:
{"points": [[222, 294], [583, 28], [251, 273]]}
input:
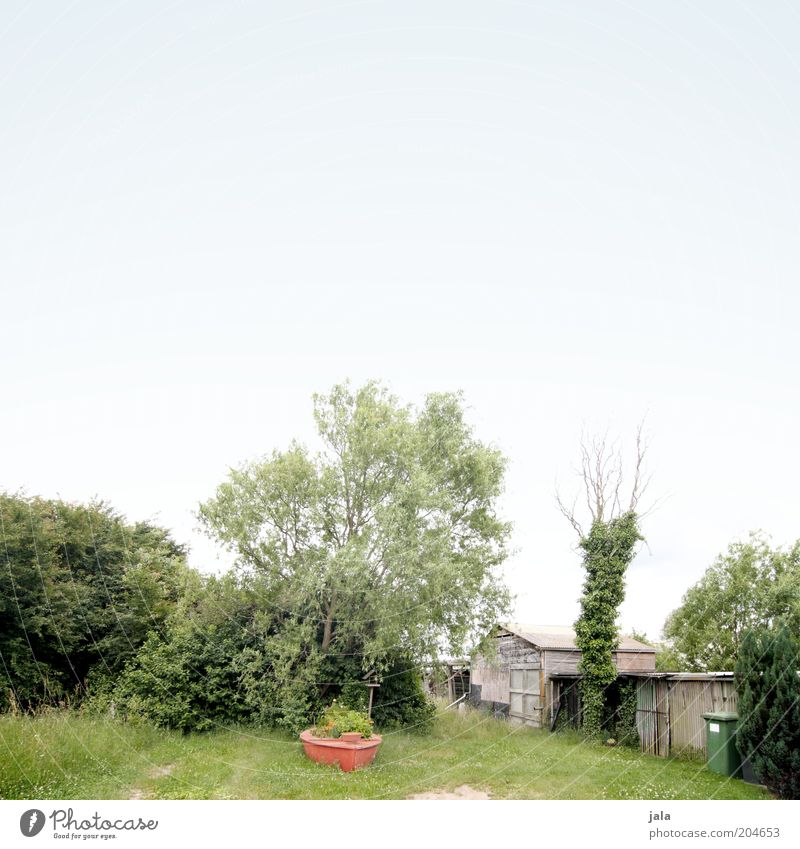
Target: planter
{"points": [[348, 754]]}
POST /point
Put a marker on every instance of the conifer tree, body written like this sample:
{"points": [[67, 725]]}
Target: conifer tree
{"points": [[768, 684]]}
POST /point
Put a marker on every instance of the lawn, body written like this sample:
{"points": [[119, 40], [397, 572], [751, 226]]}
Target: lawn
{"points": [[72, 756]]}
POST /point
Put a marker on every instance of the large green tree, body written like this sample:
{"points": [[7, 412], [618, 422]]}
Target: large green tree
{"points": [[80, 588], [385, 543], [751, 585]]}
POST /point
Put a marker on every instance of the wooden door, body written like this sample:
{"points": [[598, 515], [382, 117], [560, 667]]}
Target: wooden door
{"points": [[652, 716], [525, 698]]}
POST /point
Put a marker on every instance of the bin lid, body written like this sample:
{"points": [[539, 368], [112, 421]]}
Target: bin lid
{"points": [[721, 716]]}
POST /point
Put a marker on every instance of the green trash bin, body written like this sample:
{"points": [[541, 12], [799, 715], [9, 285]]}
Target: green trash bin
{"points": [[723, 756]]}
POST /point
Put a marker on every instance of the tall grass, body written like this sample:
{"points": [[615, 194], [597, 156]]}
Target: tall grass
{"points": [[65, 754]]}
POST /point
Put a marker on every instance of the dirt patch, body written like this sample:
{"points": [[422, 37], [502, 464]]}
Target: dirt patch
{"points": [[462, 792], [162, 771], [156, 772]]}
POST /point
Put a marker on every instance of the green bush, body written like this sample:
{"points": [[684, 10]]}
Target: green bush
{"points": [[188, 678], [355, 695], [225, 658], [186, 682], [221, 661], [400, 700], [80, 589]]}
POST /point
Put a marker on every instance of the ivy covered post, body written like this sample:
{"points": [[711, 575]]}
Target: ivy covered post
{"points": [[607, 548]]}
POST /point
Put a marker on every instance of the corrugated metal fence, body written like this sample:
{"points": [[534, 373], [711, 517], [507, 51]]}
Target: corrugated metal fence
{"points": [[670, 708]]}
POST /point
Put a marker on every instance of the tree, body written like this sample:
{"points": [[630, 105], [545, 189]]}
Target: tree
{"points": [[750, 586], [667, 659], [383, 545], [607, 547], [635, 634], [80, 588], [768, 685]]}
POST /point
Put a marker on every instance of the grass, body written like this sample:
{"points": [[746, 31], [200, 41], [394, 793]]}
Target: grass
{"points": [[69, 755]]}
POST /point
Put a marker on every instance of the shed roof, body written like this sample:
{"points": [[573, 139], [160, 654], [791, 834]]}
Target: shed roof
{"points": [[660, 676], [682, 676], [560, 637]]}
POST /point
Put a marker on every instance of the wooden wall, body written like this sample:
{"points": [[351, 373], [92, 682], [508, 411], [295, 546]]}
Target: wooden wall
{"points": [[513, 649], [490, 677], [561, 661], [669, 716], [634, 661], [688, 701], [565, 661]]}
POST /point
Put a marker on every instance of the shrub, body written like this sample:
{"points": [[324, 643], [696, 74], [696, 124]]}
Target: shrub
{"points": [[189, 678], [220, 661], [224, 658], [186, 682], [355, 695], [769, 708], [80, 589], [400, 700]]}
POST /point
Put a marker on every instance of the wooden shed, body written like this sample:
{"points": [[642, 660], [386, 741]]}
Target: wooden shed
{"points": [[534, 665], [447, 679]]}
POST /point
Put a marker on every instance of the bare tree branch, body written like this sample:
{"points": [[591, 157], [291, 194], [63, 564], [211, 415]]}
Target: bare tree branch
{"points": [[603, 479], [639, 486], [569, 513]]}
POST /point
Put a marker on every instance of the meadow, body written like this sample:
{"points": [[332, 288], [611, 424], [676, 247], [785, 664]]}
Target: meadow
{"points": [[71, 755]]}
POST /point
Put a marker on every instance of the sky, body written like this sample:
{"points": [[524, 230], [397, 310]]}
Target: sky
{"points": [[577, 213]]}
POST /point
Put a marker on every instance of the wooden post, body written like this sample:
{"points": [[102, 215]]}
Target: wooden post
{"points": [[545, 706]]}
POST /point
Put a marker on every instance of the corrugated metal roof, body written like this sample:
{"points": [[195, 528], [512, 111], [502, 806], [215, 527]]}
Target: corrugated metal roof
{"points": [[559, 637], [683, 676]]}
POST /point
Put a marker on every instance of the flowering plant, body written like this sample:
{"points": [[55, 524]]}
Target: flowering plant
{"points": [[337, 720]]}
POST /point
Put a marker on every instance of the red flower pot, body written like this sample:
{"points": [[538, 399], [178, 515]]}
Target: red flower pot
{"points": [[349, 754]]}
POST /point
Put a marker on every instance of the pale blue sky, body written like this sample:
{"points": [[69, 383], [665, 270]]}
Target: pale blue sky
{"points": [[576, 212]]}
